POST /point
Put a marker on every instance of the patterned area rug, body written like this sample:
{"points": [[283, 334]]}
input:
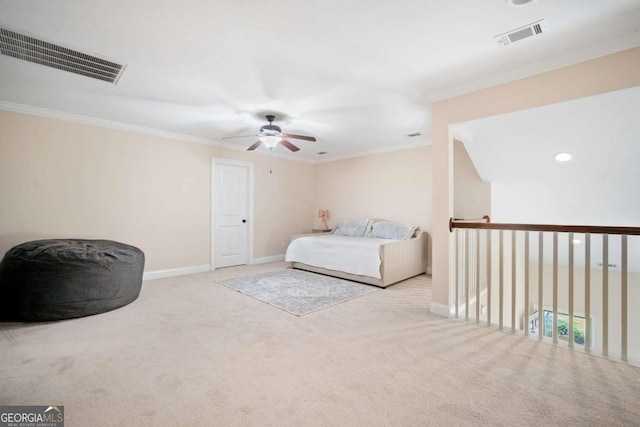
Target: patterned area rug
{"points": [[298, 292]]}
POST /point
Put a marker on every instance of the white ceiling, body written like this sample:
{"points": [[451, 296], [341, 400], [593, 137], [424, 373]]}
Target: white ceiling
{"points": [[601, 132], [358, 75]]}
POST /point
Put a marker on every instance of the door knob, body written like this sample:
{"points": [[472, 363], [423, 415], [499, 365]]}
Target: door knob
{"points": [[244, 220]]}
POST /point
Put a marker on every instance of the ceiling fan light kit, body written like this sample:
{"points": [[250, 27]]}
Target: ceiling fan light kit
{"points": [[270, 141]]}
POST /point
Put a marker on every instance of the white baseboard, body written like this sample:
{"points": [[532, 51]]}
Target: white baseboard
{"points": [[268, 259], [440, 309], [183, 271]]}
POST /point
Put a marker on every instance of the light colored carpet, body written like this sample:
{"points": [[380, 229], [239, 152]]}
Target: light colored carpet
{"points": [[191, 352], [298, 292]]}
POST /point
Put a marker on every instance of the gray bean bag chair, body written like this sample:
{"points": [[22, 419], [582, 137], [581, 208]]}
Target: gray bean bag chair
{"points": [[65, 278]]}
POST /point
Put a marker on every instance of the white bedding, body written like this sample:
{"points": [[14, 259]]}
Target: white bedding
{"points": [[355, 255]]}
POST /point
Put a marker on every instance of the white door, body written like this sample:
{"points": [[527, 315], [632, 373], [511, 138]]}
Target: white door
{"points": [[230, 214]]}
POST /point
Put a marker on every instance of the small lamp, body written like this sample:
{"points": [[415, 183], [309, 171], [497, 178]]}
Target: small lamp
{"points": [[323, 214]]}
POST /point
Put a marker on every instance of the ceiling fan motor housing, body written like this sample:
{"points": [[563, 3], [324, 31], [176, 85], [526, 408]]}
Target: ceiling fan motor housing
{"points": [[270, 130]]}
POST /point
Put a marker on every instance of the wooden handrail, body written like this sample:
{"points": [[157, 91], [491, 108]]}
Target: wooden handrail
{"points": [[631, 231], [484, 219]]}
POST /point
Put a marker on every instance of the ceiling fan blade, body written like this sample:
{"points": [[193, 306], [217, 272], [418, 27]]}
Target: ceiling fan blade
{"points": [[289, 145], [306, 138], [239, 136], [255, 145]]}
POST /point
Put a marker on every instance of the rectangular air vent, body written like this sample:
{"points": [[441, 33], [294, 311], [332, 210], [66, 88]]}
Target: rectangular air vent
{"points": [[521, 33], [29, 48], [599, 265]]}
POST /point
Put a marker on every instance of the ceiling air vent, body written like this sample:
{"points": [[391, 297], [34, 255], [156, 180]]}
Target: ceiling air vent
{"points": [[521, 33], [29, 48]]}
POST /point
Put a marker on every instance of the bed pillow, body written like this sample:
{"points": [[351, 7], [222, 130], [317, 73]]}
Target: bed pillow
{"points": [[392, 230], [370, 227], [352, 228]]}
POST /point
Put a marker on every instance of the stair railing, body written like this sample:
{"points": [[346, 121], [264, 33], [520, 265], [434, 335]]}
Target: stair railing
{"points": [[476, 285]]}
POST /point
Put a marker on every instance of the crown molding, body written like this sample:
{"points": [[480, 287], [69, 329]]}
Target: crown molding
{"points": [[94, 121], [126, 127], [569, 59], [423, 142]]}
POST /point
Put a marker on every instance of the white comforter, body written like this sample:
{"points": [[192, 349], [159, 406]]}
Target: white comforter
{"points": [[355, 255]]}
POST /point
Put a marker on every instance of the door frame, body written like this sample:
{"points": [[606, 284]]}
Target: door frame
{"points": [[215, 163]]}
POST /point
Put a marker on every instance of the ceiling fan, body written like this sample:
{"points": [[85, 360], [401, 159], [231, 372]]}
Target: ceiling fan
{"points": [[271, 135]]}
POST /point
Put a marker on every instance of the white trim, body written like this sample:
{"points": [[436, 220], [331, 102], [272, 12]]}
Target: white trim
{"points": [[576, 56], [440, 309], [94, 121], [459, 134], [268, 259], [173, 272], [126, 127], [396, 147], [250, 195]]}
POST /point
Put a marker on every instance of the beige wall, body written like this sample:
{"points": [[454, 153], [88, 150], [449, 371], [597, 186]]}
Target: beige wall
{"points": [[64, 179], [609, 73], [394, 186], [472, 196], [283, 202]]}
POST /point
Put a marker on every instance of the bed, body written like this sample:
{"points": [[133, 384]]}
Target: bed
{"points": [[380, 259]]}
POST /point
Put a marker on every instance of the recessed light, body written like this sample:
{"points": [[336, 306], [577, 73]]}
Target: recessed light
{"points": [[562, 157]]}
